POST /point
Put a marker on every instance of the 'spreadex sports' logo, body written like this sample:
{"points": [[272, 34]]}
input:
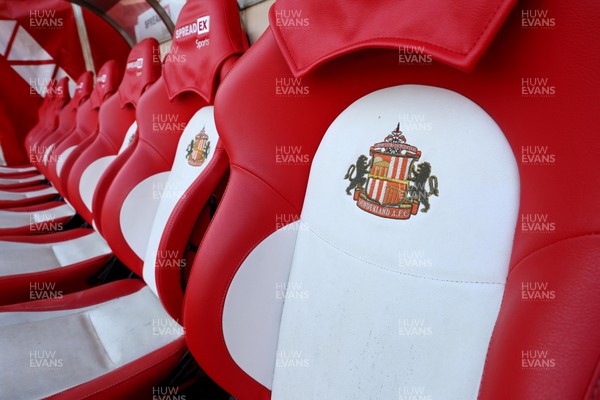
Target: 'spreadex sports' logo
{"points": [[137, 64], [200, 27], [390, 185]]}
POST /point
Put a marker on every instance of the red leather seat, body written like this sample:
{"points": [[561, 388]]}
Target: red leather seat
{"points": [[117, 126], [391, 228], [52, 216], [68, 259], [66, 152], [42, 150], [57, 96], [117, 340]]}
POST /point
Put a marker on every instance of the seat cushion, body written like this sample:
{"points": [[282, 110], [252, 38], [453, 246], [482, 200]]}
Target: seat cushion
{"points": [[47, 351], [30, 220]]}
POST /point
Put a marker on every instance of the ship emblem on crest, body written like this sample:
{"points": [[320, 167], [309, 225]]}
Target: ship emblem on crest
{"points": [[198, 149], [390, 184]]}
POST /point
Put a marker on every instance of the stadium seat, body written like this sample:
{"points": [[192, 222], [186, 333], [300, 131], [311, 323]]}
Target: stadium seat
{"points": [[42, 150], [117, 127], [57, 96], [69, 258], [50, 216], [117, 340], [391, 227]]}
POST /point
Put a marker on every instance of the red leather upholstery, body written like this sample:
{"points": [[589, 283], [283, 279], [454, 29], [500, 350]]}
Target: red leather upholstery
{"points": [[341, 58], [115, 116], [86, 125], [67, 120]]}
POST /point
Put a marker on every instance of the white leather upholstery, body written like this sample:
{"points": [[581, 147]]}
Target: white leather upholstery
{"points": [[90, 177], [92, 174], [374, 323], [20, 258], [60, 162], [48, 352], [139, 210], [13, 219], [178, 181], [31, 179], [9, 170], [13, 196], [252, 310]]}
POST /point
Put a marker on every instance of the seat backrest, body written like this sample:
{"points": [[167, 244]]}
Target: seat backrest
{"points": [[67, 151], [66, 119], [116, 122], [176, 142], [369, 244], [59, 98]]}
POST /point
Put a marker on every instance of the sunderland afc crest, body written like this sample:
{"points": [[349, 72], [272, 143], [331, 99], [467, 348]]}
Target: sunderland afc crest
{"points": [[198, 149], [390, 183]]}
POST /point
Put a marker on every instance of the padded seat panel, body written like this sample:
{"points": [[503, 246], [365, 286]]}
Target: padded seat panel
{"points": [[16, 196], [57, 350], [21, 258], [15, 219]]}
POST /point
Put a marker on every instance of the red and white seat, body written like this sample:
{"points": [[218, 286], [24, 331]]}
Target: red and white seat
{"points": [[57, 96], [325, 273], [117, 127], [68, 259], [42, 150], [117, 339], [51, 216]]}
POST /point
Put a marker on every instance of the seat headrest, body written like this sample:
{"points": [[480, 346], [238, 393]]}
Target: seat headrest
{"points": [[83, 89], [61, 91], [143, 68], [453, 32], [202, 24], [107, 82]]}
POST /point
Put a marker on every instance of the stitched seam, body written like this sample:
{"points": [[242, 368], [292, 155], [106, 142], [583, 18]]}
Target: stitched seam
{"points": [[394, 271]]}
